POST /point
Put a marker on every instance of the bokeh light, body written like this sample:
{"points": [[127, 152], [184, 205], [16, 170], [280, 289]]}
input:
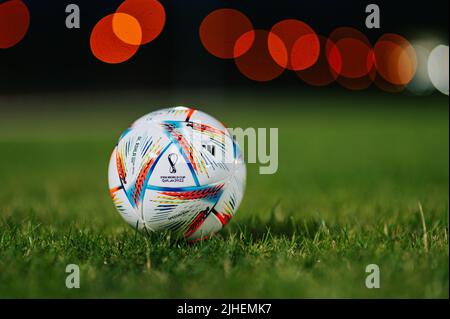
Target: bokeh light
{"points": [[221, 29], [346, 56], [150, 14], [127, 28], [438, 68], [257, 63], [14, 23], [321, 73], [361, 83], [350, 53], [105, 44], [395, 59], [301, 42], [387, 86], [243, 43], [421, 83]]}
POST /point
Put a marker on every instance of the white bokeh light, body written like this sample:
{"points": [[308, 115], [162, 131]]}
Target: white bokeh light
{"points": [[438, 68]]}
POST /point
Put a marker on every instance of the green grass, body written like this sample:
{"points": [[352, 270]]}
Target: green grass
{"points": [[352, 171]]}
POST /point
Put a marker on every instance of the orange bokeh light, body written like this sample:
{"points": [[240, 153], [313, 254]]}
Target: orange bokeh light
{"points": [[127, 28], [300, 41], [105, 44], [14, 22], [258, 63], [387, 86], [150, 14], [221, 29], [395, 59]]}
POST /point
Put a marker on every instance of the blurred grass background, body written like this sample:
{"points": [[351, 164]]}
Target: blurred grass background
{"points": [[352, 170]]}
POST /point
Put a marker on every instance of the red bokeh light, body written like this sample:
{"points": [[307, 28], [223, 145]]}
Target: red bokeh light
{"points": [[105, 44], [350, 53], [14, 23], [150, 14], [321, 73], [357, 83], [221, 29], [258, 63], [301, 42]]}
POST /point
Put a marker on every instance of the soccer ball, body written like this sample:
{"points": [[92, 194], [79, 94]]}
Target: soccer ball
{"points": [[177, 169]]}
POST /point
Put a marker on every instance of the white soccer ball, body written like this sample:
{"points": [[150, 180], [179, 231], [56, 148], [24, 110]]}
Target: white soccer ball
{"points": [[177, 169]]}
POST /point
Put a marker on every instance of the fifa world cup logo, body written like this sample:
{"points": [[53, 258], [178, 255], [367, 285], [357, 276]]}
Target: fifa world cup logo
{"points": [[172, 158]]}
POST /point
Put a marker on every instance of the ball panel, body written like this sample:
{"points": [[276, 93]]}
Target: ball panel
{"points": [[178, 113], [203, 118], [181, 114], [119, 196], [205, 228], [168, 208]]}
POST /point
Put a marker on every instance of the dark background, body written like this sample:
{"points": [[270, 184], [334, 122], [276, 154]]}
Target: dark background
{"points": [[53, 58]]}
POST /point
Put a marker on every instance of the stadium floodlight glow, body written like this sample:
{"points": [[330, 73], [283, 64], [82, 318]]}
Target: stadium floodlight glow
{"points": [[177, 169], [438, 68]]}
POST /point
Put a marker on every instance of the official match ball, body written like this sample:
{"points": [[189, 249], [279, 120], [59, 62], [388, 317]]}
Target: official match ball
{"points": [[177, 170]]}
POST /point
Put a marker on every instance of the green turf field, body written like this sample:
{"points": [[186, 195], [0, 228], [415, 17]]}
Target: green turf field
{"points": [[353, 168]]}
